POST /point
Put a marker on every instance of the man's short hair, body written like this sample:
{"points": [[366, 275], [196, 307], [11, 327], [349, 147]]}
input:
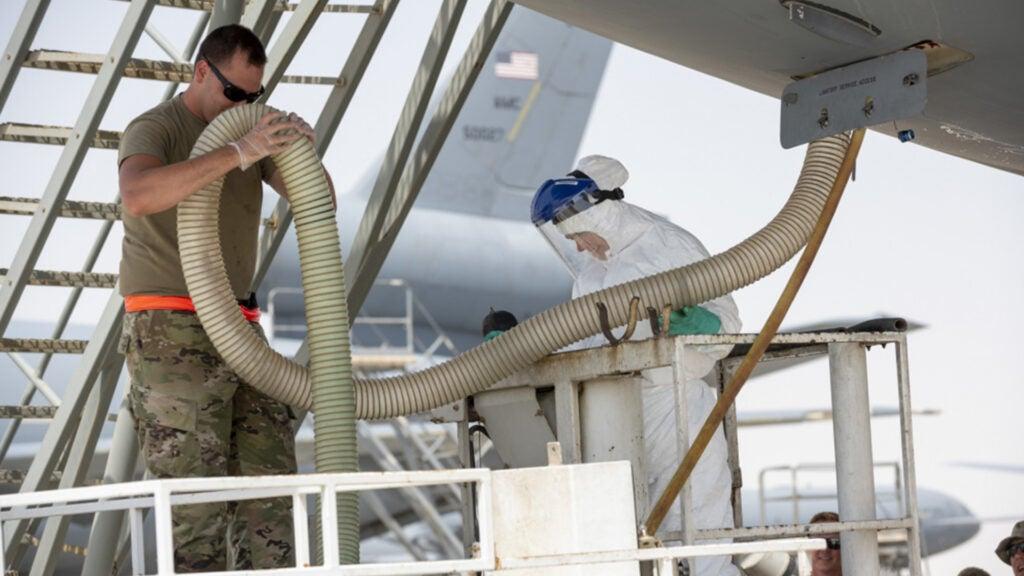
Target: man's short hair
{"points": [[221, 44], [822, 517], [972, 571]]}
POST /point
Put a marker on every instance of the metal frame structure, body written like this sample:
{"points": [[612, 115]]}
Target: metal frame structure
{"points": [[415, 107], [415, 174], [420, 443], [568, 371], [225, 12], [161, 495], [72, 156], [796, 496], [47, 209], [419, 500], [327, 123], [72, 404], [283, 51], [387, 354], [17, 47], [80, 453], [139, 68], [71, 209], [121, 462]]}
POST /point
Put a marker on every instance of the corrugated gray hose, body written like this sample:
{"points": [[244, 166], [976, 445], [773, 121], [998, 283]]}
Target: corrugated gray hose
{"points": [[477, 369], [323, 282]]}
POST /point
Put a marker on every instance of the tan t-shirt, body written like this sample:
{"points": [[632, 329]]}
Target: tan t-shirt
{"points": [[149, 253]]}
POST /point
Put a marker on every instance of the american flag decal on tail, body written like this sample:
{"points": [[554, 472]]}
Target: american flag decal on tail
{"points": [[517, 65]]}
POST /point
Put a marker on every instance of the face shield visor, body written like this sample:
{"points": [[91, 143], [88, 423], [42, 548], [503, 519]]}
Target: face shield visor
{"points": [[556, 202]]}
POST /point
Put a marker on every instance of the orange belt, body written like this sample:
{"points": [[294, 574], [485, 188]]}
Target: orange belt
{"points": [[140, 302]]}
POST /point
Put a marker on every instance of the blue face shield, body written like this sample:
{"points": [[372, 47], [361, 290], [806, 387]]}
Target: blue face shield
{"points": [[562, 198], [555, 202]]}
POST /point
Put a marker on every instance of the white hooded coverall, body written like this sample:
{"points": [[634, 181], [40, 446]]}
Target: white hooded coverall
{"points": [[642, 244]]}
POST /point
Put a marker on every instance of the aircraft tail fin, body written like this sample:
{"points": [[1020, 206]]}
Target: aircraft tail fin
{"points": [[523, 120]]}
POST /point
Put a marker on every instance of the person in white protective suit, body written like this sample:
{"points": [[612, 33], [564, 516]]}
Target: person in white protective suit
{"points": [[605, 241]]}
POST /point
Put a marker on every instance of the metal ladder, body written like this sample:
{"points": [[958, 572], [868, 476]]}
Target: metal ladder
{"points": [[62, 458], [427, 506]]}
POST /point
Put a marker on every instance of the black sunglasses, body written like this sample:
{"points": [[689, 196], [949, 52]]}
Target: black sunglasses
{"points": [[232, 92], [832, 543], [1015, 549]]}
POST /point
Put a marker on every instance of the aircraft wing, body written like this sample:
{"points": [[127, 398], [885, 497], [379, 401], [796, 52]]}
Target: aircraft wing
{"points": [[992, 467], [780, 357], [974, 107], [749, 418]]}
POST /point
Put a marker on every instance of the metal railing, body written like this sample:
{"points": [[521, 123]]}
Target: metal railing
{"points": [[568, 371], [161, 495], [796, 496], [384, 344]]}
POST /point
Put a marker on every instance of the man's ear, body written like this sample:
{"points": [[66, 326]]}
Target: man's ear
{"points": [[201, 70]]}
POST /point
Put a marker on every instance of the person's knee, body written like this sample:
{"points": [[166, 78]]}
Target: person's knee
{"points": [[262, 534], [199, 537]]}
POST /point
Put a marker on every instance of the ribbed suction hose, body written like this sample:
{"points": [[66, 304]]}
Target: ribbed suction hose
{"points": [[477, 369], [323, 282]]}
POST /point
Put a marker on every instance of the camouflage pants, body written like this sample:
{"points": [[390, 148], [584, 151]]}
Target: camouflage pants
{"points": [[194, 417]]}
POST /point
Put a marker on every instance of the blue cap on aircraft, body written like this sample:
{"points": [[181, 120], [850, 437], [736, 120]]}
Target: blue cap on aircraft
{"points": [[560, 198]]}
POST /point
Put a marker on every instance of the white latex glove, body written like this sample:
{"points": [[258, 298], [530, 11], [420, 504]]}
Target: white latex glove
{"points": [[266, 139], [303, 127]]}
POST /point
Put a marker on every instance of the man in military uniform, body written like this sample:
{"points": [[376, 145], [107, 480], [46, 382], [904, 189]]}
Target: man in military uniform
{"points": [[1011, 549], [195, 417], [829, 561]]}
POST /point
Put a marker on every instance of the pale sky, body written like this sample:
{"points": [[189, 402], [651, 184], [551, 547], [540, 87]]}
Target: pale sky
{"points": [[920, 234]]}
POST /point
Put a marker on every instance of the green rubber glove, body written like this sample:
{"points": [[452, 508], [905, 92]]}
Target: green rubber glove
{"points": [[693, 320]]}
